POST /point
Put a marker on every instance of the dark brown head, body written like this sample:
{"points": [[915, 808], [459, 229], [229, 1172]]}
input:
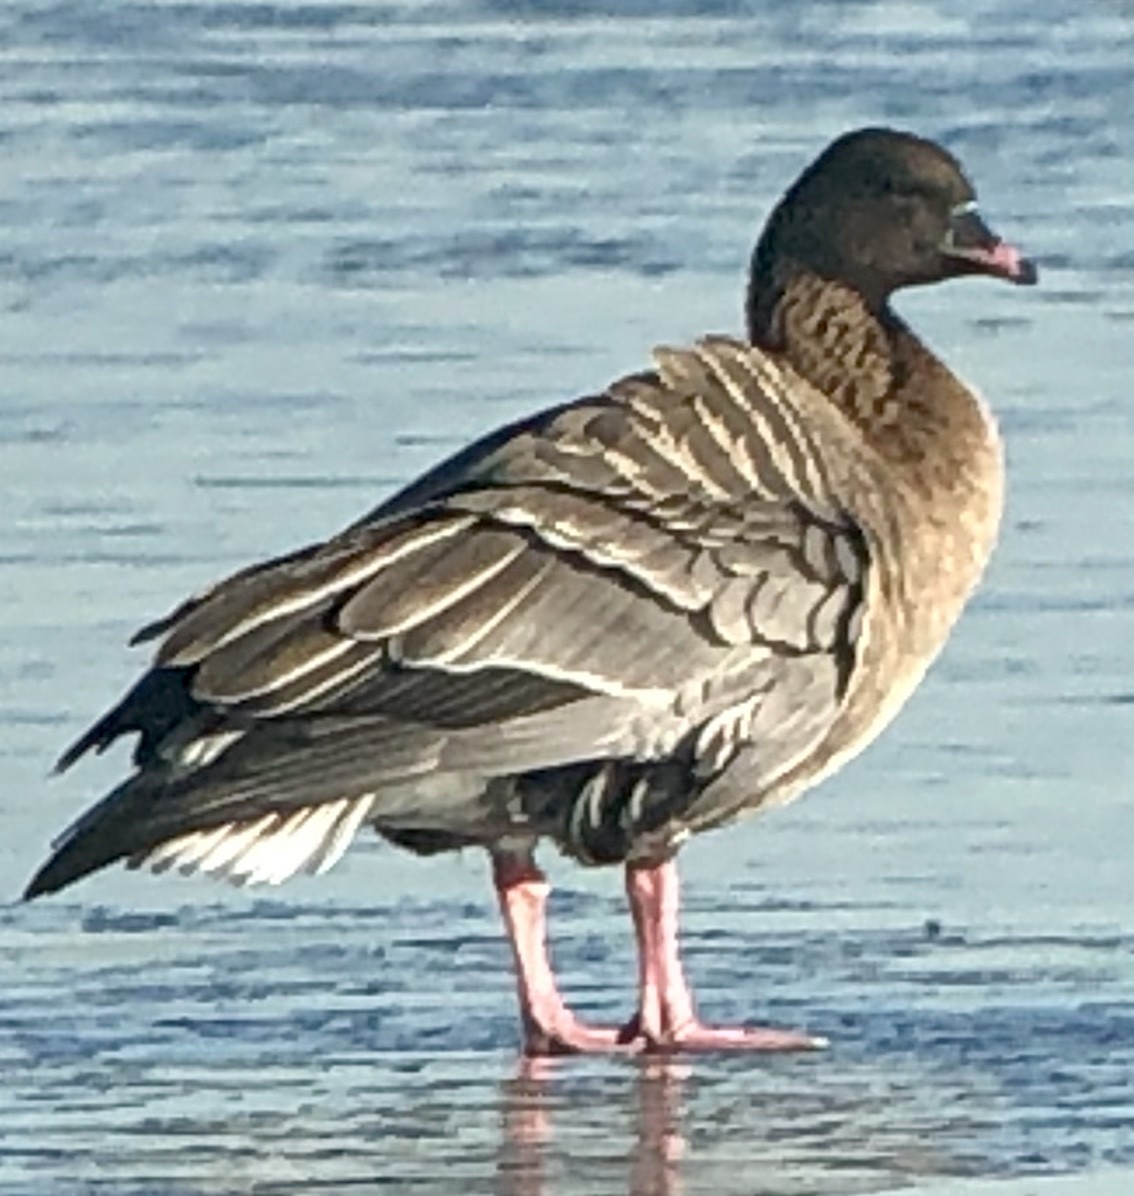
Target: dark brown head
{"points": [[879, 210]]}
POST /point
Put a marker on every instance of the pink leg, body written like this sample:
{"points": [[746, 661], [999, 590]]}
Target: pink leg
{"points": [[550, 1028], [666, 1017]]}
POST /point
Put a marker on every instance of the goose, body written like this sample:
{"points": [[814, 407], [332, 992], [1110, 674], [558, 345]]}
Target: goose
{"points": [[615, 624]]}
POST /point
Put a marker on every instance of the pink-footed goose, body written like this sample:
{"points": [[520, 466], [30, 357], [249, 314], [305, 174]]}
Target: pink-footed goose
{"points": [[620, 622]]}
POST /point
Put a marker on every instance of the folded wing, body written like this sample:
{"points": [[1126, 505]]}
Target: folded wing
{"points": [[631, 587]]}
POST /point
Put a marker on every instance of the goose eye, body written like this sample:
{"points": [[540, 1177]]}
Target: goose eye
{"points": [[901, 189]]}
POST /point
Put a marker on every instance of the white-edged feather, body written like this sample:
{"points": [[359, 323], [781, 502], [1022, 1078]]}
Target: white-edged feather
{"points": [[340, 836], [205, 748], [280, 854], [185, 847], [238, 836], [268, 850], [189, 851]]}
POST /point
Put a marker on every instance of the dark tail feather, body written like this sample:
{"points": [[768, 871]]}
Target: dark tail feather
{"points": [[98, 738], [275, 770], [99, 837], [159, 702], [413, 777]]}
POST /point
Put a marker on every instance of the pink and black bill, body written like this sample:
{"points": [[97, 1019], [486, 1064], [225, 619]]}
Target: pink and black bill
{"points": [[978, 250]]}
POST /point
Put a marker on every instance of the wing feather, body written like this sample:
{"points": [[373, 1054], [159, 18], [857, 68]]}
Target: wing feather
{"points": [[658, 576], [297, 584]]}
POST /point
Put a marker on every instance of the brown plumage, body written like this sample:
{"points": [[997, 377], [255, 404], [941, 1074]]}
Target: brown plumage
{"points": [[621, 621]]}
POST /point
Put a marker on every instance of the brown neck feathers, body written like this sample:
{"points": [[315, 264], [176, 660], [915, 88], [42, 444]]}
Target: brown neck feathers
{"points": [[907, 404], [829, 335]]}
